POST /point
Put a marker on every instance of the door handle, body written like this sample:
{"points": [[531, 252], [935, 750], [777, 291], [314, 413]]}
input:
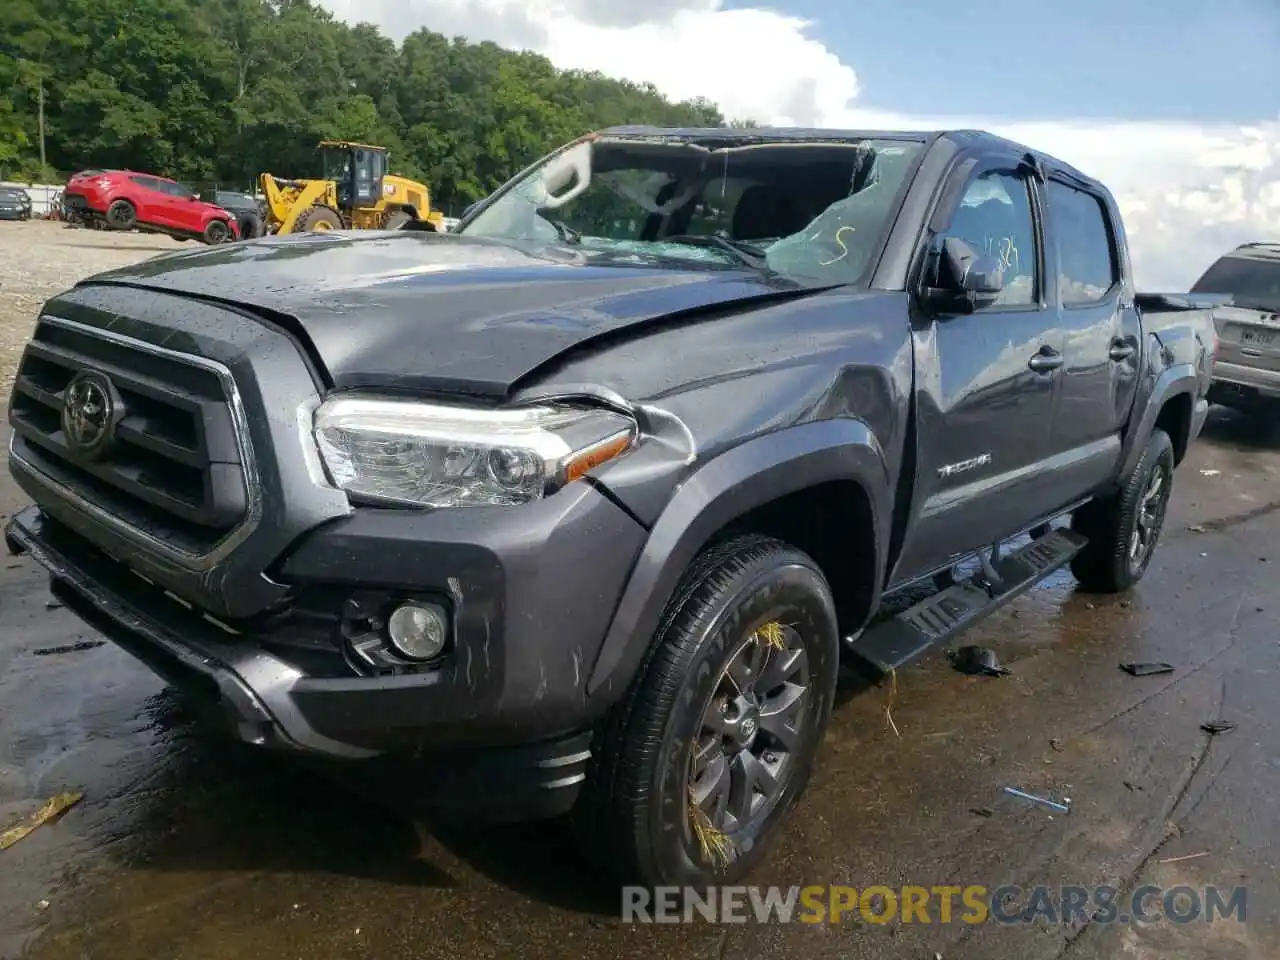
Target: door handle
{"points": [[1045, 361], [1121, 350]]}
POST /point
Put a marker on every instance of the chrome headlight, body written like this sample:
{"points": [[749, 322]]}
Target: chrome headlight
{"points": [[437, 455]]}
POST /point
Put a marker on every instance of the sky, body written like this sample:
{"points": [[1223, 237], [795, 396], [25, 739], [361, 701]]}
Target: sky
{"points": [[1174, 104]]}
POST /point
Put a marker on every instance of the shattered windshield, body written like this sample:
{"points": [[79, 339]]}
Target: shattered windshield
{"points": [[812, 212]]}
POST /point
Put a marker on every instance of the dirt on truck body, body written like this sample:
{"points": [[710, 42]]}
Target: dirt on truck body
{"points": [[580, 506]]}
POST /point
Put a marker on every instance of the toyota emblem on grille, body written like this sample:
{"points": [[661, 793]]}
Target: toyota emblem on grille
{"points": [[91, 408]]}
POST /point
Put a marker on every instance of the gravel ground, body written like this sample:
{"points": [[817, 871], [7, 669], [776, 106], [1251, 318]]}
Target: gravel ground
{"points": [[40, 258]]}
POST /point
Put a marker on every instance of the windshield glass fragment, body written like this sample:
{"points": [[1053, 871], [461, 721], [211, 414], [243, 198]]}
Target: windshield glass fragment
{"points": [[811, 212]]}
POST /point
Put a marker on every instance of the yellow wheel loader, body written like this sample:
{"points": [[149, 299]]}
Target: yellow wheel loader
{"points": [[356, 193]]}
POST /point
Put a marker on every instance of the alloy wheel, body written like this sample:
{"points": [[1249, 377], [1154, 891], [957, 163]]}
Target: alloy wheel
{"points": [[1149, 518], [741, 760]]}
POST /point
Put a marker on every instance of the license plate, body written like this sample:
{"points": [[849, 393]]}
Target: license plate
{"points": [[1257, 338]]}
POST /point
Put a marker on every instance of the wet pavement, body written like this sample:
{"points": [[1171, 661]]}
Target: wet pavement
{"points": [[186, 846]]}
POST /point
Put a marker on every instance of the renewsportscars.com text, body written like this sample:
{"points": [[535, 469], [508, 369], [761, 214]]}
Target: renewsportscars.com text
{"points": [[973, 904]]}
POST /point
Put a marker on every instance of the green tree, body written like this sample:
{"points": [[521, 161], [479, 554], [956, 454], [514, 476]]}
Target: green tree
{"points": [[227, 89]]}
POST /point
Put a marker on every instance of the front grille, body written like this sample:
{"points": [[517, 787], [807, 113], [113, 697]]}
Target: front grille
{"points": [[174, 469]]}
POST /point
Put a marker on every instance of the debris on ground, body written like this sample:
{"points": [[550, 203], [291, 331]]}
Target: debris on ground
{"points": [[1189, 856], [69, 648], [1146, 669], [54, 605], [982, 811], [888, 707], [1052, 804], [1056, 744], [1210, 473], [977, 661], [1217, 726], [53, 808]]}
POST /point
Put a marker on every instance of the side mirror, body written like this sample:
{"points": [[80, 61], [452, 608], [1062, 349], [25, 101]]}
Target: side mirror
{"points": [[963, 280]]}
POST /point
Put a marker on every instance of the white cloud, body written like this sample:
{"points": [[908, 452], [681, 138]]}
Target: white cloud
{"points": [[1188, 191]]}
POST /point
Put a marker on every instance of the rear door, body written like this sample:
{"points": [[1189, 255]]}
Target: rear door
{"points": [[1101, 338], [985, 381]]}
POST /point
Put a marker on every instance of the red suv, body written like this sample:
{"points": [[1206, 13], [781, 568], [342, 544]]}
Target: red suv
{"points": [[124, 200]]}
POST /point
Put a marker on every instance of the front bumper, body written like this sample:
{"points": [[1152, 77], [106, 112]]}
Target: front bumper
{"points": [[500, 730], [14, 213]]}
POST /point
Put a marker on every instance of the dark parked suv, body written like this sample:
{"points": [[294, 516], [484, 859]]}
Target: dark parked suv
{"points": [[15, 204], [251, 213], [578, 507]]}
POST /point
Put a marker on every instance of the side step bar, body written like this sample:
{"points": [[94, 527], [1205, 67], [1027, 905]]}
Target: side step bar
{"points": [[895, 642]]}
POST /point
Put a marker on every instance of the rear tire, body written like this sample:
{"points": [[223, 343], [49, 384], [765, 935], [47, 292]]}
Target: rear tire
{"points": [[122, 215], [683, 732], [318, 220], [1124, 529]]}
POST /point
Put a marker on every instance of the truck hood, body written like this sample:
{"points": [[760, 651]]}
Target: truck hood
{"points": [[410, 310]]}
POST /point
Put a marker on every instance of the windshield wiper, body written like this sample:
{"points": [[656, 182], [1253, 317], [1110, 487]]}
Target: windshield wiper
{"points": [[745, 252], [567, 233]]}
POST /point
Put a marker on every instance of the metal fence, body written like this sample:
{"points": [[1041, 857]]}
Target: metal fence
{"points": [[42, 195]]}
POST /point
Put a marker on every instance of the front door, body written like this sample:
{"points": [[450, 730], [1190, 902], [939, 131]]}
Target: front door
{"points": [[367, 177], [985, 384], [1101, 349], [151, 202]]}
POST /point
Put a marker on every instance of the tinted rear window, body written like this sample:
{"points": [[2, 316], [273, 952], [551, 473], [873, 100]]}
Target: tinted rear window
{"points": [[1249, 283]]}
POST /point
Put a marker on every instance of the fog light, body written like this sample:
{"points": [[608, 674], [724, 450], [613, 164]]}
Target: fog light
{"points": [[418, 630]]}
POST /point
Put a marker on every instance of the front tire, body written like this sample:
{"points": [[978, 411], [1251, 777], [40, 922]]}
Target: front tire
{"points": [[1124, 529], [250, 227], [216, 232], [318, 220], [696, 770]]}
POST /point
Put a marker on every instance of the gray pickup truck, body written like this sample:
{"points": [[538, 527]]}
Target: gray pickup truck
{"points": [[578, 506]]}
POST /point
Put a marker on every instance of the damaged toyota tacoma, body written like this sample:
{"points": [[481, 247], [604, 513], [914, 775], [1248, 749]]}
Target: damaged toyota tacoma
{"points": [[580, 506]]}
